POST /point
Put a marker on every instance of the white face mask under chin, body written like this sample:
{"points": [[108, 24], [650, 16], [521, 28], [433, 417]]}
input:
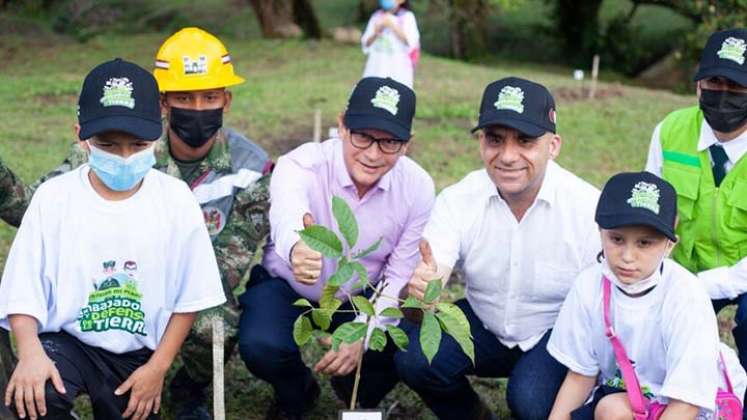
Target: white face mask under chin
{"points": [[637, 287]]}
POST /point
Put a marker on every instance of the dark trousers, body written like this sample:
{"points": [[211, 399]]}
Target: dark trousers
{"points": [[740, 331], [89, 370], [267, 347], [534, 376], [7, 363]]}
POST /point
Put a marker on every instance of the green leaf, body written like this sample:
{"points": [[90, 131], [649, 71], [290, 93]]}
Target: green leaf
{"points": [[392, 313], [328, 299], [302, 330], [345, 220], [321, 334], [456, 325], [430, 336], [362, 274], [363, 305], [369, 250], [432, 291], [350, 332], [344, 273], [377, 342], [322, 318], [322, 240], [400, 338], [412, 302], [302, 302]]}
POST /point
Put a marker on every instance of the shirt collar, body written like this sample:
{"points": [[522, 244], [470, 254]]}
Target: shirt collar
{"points": [[734, 149]]}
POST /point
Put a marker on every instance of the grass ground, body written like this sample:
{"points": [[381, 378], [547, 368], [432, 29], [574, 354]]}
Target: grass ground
{"points": [[286, 82]]}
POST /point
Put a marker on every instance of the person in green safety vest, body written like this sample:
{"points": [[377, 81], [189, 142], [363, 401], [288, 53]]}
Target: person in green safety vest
{"points": [[701, 151]]}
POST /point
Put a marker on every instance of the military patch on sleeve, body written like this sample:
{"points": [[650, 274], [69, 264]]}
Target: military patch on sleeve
{"points": [[215, 220]]}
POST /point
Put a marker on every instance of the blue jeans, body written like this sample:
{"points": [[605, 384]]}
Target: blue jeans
{"points": [[740, 331], [534, 376], [267, 347]]}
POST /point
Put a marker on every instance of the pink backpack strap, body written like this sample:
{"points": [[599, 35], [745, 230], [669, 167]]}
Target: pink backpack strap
{"points": [[637, 402], [725, 373]]}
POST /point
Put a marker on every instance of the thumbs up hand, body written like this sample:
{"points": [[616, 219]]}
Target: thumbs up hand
{"points": [[307, 263], [425, 271]]}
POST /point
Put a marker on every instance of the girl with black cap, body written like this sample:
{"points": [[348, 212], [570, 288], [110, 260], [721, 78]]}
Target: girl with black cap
{"points": [[637, 331]]}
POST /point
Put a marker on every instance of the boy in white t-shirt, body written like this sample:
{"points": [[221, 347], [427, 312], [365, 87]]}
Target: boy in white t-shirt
{"points": [[110, 265], [660, 312]]}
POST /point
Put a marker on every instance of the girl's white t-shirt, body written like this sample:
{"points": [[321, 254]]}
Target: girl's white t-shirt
{"points": [[670, 335], [389, 56], [110, 273]]}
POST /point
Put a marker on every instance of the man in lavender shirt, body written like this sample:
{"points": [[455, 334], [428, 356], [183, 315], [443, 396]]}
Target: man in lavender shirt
{"points": [[391, 197]]}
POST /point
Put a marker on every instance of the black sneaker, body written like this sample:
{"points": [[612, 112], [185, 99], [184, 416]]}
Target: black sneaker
{"points": [[276, 412], [343, 388], [194, 410], [188, 397]]}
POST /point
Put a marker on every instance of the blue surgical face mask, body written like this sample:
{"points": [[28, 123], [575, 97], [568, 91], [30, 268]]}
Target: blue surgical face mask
{"points": [[118, 173], [387, 4]]}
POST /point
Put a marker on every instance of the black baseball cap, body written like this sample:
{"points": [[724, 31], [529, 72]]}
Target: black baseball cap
{"points": [[724, 55], [520, 104], [638, 198], [383, 104], [120, 96]]}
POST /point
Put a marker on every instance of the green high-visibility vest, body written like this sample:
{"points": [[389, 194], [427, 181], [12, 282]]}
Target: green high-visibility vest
{"points": [[712, 226]]}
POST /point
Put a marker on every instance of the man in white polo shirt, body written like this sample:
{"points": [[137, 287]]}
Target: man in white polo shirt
{"points": [[522, 228]]}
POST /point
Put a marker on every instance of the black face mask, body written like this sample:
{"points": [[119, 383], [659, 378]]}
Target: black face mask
{"points": [[724, 110], [195, 127]]}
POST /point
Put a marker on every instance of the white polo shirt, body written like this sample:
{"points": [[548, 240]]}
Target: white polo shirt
{"points": [[517, 273]]}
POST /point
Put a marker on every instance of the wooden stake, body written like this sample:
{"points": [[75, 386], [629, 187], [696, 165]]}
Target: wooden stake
{"points": [[219, 407], [317, 125], [594, 75]]}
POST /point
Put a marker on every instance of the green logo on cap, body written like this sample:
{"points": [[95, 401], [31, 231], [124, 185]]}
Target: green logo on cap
{"points": [[733, 49], [510, 98], [645, 195], [386, 98], [118, 92]]}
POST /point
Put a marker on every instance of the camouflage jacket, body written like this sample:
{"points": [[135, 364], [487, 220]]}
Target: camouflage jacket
{"points": [[229, 185]]}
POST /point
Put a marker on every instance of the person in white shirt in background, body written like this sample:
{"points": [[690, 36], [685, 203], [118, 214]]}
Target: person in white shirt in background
{"points": [[109, 267], [392, 42], [522, 228], [659, 311]]}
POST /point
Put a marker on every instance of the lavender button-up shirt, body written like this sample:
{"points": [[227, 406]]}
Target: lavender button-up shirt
{"points": [[396, 209]]}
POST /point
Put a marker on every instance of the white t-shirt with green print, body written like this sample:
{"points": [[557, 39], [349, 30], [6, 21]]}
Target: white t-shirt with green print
{"points": [[670, 335], [110, 273]]}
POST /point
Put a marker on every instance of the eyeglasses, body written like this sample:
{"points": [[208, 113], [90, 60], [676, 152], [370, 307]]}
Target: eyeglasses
{"points": [[364, 141]]}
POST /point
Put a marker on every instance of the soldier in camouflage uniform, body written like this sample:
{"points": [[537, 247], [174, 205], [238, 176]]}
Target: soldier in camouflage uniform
{"points": [[228, 175], [13, 200]]}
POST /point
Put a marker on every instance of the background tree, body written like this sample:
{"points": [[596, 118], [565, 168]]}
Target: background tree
{"points": [[577, 22], [286, 18]]}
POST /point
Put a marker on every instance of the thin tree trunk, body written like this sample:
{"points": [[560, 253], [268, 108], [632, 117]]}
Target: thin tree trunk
{"points": [[467, 27], [304, 16], [275, 18]]}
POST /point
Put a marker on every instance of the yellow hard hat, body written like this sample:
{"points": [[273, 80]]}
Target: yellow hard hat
{"points": [[193, 59]]}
